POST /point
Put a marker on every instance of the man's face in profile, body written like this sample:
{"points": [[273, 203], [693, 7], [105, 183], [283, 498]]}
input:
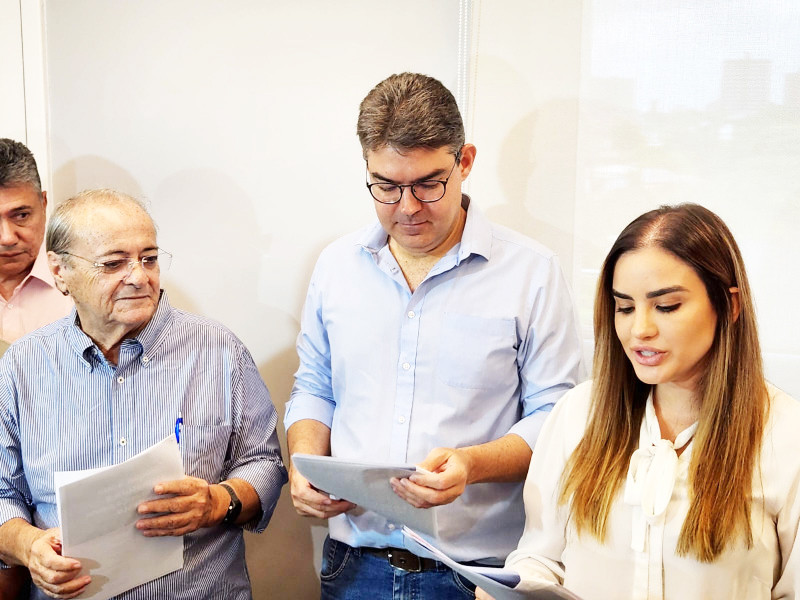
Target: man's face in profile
{"points": [[22, 220]]}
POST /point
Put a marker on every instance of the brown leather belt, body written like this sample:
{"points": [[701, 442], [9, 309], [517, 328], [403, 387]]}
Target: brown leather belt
{"points": [[403, 559]]}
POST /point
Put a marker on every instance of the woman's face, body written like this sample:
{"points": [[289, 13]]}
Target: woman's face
{"points": [[664, 318]]}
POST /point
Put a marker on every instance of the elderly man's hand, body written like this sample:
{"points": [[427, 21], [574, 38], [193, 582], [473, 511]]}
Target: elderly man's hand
{"points": [[192, 505], [446, 480], [309, 502], [55, 575]]}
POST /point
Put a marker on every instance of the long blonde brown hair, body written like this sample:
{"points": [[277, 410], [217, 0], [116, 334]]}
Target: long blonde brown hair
{"points": [[732, 392]]}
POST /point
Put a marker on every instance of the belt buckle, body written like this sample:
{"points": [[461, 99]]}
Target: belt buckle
{"points": [[406, 561]]}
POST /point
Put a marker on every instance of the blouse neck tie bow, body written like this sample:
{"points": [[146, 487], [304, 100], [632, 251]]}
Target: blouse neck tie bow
{"points": [[651, 476]]}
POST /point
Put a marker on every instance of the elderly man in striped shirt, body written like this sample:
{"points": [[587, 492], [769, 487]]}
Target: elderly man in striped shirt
{"points": [[107, 382]]}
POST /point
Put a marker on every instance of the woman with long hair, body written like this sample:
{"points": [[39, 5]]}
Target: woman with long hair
{"points": [[675, 472]]}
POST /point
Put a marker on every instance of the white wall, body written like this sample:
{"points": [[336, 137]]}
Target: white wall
{"points": [[237, 121], [23, 110], [12, 100]]}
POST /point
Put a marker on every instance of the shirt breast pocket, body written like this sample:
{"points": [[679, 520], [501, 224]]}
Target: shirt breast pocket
{"points": [[477, 352], [204, 449]]}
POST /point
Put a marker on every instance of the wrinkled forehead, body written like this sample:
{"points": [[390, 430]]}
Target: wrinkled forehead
{"points": [[107, 226]]}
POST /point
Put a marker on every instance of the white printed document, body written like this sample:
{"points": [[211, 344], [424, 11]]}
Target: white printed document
{"points": [[497, 581], [367, 485], [97, 511]]}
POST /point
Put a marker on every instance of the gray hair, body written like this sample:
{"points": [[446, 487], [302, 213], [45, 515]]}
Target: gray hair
{"points": [[409, 111], [17, 166], [60, 234]]}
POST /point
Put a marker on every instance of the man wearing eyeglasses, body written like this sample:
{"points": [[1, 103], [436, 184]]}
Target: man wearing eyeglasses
{"points": [[432, 337], [110, 380]]}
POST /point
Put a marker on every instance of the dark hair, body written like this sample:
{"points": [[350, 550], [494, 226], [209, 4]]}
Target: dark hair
{"points": [[17, 165]]}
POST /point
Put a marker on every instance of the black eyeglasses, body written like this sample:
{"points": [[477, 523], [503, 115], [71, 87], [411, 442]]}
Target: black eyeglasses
{"points": [[429, 190]]}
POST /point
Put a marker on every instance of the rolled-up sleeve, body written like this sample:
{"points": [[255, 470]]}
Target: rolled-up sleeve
{"points": [[312, 394], [255, 454], [550, 357]]}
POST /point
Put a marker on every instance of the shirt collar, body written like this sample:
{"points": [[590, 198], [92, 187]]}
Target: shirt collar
{"points": [[477, 236], [151, 336], [373, 238], [475, 239], [148, 339]]}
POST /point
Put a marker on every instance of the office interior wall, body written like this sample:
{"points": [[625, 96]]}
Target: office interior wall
{"points": [[524, 92], [23, 110], [12, 100], [236, 121]]}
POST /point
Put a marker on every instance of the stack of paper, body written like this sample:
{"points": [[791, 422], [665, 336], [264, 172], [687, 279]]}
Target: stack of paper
{"points": [[97, 510], [498, 582]]}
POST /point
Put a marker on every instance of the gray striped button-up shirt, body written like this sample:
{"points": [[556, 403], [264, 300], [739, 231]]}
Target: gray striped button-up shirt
{"points": [[64, 407]]}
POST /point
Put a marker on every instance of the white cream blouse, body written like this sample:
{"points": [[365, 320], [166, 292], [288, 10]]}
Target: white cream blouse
{"points": [[638, 560]]}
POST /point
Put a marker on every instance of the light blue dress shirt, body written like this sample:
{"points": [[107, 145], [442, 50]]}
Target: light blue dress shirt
{"points": [[484, 346], [64, 407]]}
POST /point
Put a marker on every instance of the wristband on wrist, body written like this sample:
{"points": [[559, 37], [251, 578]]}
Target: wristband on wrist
{"points": [[234, 506]]}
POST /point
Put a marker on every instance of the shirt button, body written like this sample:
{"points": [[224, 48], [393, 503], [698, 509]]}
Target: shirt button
{"points": [[411, 314], [120, 379], [401, 419], [10, 306], [406, 366], [145, 359], [390, 527], [122, 441]]}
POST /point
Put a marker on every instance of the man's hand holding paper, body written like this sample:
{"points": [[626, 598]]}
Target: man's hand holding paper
{"points": [[58, 576], [189, 506], [367, 484], [312, 437], [440, 479], [310, 502]]}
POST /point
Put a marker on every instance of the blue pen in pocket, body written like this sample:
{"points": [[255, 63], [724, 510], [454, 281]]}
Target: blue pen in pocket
{"points": [[178, 423]]}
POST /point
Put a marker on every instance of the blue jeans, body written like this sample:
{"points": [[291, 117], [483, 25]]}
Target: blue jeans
{"points": [[350, 574]]}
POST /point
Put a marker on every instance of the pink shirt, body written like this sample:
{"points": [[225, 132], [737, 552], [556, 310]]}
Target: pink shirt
{"points": [[34, 303]]}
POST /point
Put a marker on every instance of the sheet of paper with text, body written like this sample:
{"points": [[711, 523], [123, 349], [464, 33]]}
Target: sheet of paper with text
{"points": [[97, 511]]}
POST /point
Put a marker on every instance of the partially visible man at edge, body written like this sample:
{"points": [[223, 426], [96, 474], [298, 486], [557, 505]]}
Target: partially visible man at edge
{"points": [[432, 337], [28, 296], [109, 381]]}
